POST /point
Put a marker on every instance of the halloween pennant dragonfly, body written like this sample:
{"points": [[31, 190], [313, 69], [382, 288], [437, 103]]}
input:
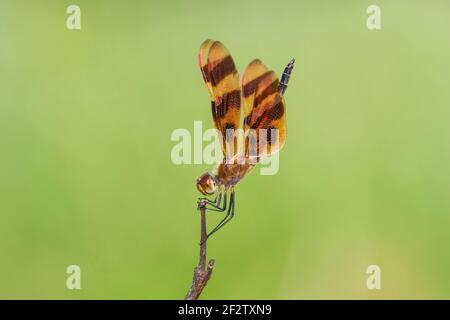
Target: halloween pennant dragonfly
{"points": [[261, 96]]}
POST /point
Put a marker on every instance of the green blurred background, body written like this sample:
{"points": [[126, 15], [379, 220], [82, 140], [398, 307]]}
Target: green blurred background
{"points": [[86, 176]]}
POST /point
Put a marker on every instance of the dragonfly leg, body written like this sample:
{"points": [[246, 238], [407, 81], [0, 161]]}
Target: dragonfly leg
{"points": [[215, 202], [228, 217], [215, 205]]}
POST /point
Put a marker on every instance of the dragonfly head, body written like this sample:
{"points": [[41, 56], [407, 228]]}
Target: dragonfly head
{"points": [[206, 184]]}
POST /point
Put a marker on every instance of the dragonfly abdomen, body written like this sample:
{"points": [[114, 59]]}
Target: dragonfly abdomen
{"points": [[285, 77]]}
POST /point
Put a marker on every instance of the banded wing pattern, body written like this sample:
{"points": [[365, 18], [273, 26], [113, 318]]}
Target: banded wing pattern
{"points": [[263, 109], [222, 81]]}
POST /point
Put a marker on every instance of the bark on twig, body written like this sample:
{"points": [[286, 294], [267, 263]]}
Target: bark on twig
{"points": [[202, 272]]}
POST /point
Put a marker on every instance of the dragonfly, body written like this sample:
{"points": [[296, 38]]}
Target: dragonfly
{"points": [[259, 97]]}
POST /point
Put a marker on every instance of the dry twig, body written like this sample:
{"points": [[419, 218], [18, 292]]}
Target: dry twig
{"points": [[202, 272]]}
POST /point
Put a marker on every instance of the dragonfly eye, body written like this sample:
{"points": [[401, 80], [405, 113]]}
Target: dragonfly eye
{"points": [[206, 184]]}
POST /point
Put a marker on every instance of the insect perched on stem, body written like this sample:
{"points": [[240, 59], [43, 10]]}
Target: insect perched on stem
{"points": [[264, 124]]}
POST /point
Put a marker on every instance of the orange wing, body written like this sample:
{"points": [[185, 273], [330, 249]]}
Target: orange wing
{"points": [[263, 109], [222, 81]]}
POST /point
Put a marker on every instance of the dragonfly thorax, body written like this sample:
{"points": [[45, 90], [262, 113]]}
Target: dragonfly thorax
{"points": [[229, 174]]}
